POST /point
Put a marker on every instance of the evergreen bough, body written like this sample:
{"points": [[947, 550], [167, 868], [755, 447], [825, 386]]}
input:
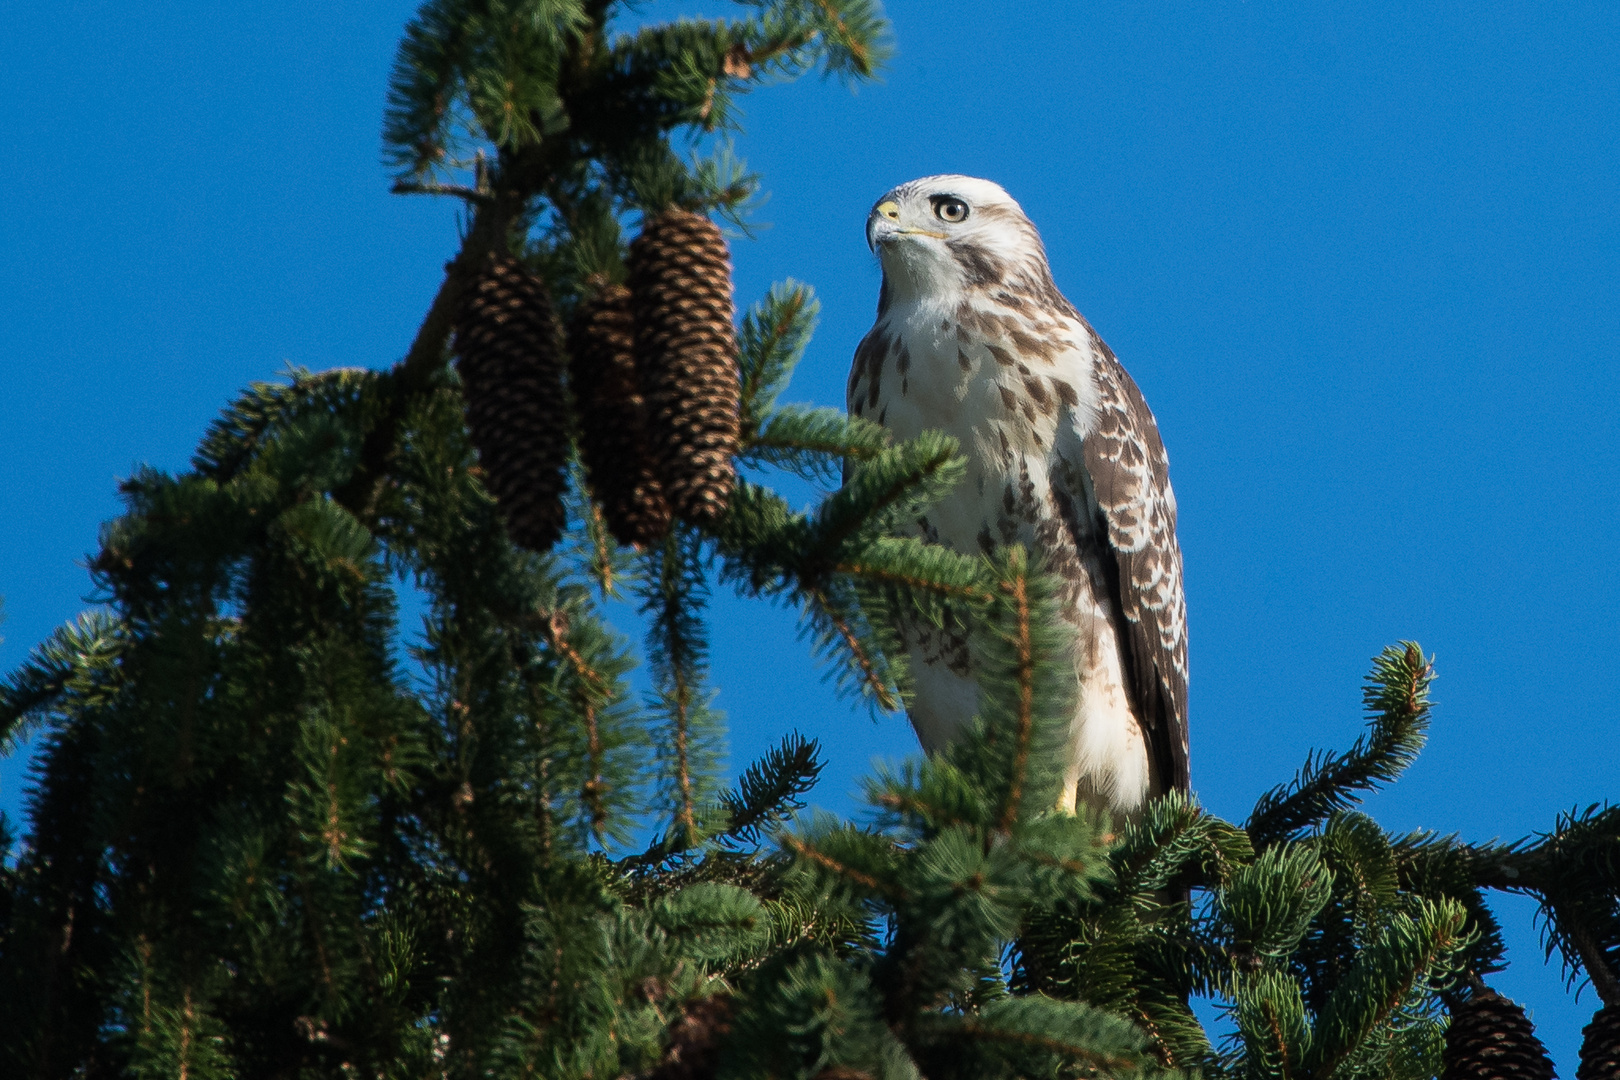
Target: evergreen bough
{"points": [[264, 839]]}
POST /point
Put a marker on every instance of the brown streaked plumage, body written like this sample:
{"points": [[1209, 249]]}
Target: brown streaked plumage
{"points": [[1064, 456]]}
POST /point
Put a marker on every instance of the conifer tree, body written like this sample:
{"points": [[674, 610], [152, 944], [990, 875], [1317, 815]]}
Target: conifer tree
{"points": [[262, 841]]}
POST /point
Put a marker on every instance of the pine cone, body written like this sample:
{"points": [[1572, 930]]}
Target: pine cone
{"points": [[680, 287], [694, 1040], [1600, 1047], [1490, 1038], [511, 374], [613, 419]]}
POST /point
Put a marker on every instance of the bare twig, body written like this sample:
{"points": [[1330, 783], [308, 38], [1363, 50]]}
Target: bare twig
{"points": [[411, 376], [460, 191]]}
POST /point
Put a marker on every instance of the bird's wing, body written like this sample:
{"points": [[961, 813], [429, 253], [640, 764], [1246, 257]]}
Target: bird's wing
{"points": [[1130, 475], [861, 392]]}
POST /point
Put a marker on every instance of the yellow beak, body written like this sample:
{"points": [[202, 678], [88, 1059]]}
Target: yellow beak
{"points": [[889, 211]]}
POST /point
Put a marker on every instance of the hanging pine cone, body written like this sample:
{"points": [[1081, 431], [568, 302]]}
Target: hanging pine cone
{"points": [[1600, 1046], [613, 419], [680, 287], [511, 374], [1490, 1038]]}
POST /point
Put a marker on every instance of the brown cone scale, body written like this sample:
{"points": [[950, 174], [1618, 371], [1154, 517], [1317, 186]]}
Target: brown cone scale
{"points": [[1490, 1038], [512, 381], [1600, 1046], [695, 1040], [680, 287], [613, 419]]}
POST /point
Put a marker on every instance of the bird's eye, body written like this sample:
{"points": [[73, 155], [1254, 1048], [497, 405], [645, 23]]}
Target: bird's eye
{"points": [[950, 209]]}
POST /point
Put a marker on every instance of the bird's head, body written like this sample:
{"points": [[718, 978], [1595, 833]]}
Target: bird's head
{"points": [[943, 236]]}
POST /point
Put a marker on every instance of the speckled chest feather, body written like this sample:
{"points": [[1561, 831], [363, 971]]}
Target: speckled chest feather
{"points": [[1063, 456], [1022, 392], [1007, 383]]}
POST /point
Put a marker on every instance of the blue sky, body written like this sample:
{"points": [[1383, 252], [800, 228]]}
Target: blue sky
{"points": [[1362, 260]]}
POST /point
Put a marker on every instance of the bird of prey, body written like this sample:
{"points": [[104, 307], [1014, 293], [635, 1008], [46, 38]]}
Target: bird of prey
{"points": [[973, 338]]}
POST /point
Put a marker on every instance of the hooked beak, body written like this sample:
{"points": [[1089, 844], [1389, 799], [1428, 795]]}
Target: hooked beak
{"points": [[884, 225]]}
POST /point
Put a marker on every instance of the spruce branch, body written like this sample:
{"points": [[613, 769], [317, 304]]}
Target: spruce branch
{"points": [[423, 85], [1573, 939], [1024, 663], [418, 371], [79, 659], [235, 439], [1269, 1010], [811, 1015], [1579, 888], [919, 799], [317, 850], [814, 444], [1071, 1032], [771, 341], [759, 540], [1573, 871], [767, 794], [770, 550], [1177, 1037], [460, 191], [769, 790], [490, 232], [674, 593], [1173, 835], [492, 65], [892, 482], [592, 692], [1410, 950], [868, 663], [719, 925], [848, 38], [1015, 588], [555, 626], [854, 29], [849, 855], [922, 572], [1266, 910], [601, 555], [1397, 698], [1434, 867]]}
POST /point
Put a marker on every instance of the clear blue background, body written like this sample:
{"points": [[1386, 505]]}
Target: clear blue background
{"points": [[1361, 258]]}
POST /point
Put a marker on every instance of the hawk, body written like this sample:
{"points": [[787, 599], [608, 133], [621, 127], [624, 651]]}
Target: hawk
{"points": [[973, 338]]}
